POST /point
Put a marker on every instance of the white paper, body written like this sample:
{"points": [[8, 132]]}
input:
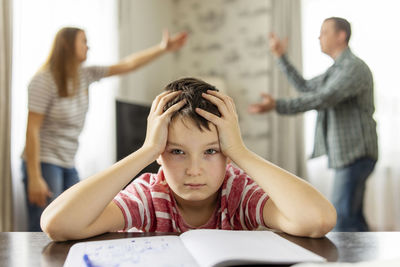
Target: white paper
{"points": [[378, 263], [203, 248], [165, 251], [238, 247]]}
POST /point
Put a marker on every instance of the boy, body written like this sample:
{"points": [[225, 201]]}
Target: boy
{"points": [[193, 133]]}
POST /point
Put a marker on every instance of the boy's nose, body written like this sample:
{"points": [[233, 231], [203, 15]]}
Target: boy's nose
{"points": [[194, 168]]}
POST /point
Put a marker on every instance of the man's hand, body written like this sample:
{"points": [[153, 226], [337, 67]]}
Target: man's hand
{"points": [[267, 104], [38, 192], [158, 120], [173, 43], [230, 139], [276, 45]]}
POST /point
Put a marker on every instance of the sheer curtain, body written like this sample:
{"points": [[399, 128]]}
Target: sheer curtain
{"points": [[287, 138], [6, 217], [35, 25], [374, 41]]}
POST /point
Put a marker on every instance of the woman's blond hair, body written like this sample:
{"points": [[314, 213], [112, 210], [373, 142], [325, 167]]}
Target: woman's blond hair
{"points": [[62, 61]]}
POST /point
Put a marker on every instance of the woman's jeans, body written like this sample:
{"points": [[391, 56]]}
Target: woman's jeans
{"points": [[348, 195], [58, 179]]}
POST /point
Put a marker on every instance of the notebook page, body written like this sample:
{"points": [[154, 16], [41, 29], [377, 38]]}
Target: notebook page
{"points": [[165, 251], [210, 247]]}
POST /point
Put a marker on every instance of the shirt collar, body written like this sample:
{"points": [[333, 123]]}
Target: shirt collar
{"points": [[345, 53]]}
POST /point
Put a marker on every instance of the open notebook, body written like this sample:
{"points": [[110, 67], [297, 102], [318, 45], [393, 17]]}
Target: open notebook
{"points": [[193, 248]]}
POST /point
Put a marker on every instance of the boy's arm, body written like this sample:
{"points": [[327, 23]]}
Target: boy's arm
{"points": [[86, 209], [294, 207]]}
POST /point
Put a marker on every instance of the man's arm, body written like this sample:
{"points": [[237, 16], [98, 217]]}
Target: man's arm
{"points": [[278, 48], [296, 79], [346, 81], [295, 206], [86, 209]]}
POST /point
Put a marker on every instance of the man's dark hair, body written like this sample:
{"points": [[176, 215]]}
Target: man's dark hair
{"points": [[342, 24], [191, 91]]}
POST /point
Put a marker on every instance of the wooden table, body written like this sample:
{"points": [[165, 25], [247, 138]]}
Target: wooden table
{"points": [[36, 249]]}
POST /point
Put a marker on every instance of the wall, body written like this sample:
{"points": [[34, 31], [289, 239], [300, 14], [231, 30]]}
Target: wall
{"points": [[140, 26], [228, 40], [227, 46]]}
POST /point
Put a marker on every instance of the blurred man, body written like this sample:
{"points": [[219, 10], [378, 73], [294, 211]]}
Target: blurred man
{"points": [[345, 129]]}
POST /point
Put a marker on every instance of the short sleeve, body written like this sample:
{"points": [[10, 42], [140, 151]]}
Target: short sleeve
{"points": [[135, 202], [94, 73], [40, 93], [245, 200]]}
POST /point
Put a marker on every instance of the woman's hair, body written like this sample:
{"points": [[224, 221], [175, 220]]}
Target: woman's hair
{"points": [[191, 91], [62, 61]]}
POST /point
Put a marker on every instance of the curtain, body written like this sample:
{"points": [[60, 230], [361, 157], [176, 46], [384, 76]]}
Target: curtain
{"points": [[287, 132], [6, 218]]}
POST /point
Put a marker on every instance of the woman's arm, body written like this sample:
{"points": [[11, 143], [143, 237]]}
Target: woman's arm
{"points": [[136, 60], [86, 209], [38, 191], [294, 207]]}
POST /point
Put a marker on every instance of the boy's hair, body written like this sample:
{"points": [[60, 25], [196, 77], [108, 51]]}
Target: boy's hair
{"points": [[191, 91]]}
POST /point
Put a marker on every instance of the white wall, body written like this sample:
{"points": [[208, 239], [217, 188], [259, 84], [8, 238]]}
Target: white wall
{"points": [[141, 24], [228, 41]]}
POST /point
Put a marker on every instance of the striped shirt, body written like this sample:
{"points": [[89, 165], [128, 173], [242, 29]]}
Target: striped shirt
{"points": [[344, 98], [63, 116], [149, 205]]}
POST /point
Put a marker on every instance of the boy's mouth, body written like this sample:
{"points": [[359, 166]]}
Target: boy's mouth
{"points": [[194, 186]]}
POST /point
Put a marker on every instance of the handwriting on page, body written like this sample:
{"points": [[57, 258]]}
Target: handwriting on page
{"points": [[146, 251]]}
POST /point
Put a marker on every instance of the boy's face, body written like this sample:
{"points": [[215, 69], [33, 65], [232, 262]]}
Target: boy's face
{"points": [[193, 163]]}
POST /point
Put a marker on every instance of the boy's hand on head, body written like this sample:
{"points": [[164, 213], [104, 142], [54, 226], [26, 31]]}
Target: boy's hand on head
{"points": [[227, 125], [158, 121]]}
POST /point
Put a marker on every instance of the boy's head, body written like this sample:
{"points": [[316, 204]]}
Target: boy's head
{"points": [[193, 163], [191, 91]]}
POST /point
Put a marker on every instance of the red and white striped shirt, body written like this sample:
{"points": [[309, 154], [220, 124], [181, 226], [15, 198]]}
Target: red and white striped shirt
{"points": [[148, 204]]}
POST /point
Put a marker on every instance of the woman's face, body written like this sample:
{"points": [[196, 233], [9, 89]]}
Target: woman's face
{"points": [[81, 47]]}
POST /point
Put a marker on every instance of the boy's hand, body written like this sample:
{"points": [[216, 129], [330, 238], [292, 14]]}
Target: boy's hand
{"points": [[158, 121], [227, 125]]}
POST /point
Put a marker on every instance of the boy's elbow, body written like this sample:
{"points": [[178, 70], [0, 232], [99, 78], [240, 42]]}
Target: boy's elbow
{"points": [[53, 229], [323, 223]]}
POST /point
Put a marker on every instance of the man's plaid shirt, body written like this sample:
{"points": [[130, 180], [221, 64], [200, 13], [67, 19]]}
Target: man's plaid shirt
{"points": [[344, 98]]}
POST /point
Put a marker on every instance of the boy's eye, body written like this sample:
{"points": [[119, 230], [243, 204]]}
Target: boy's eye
{"points": [[211, 151], [177, 151]]}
